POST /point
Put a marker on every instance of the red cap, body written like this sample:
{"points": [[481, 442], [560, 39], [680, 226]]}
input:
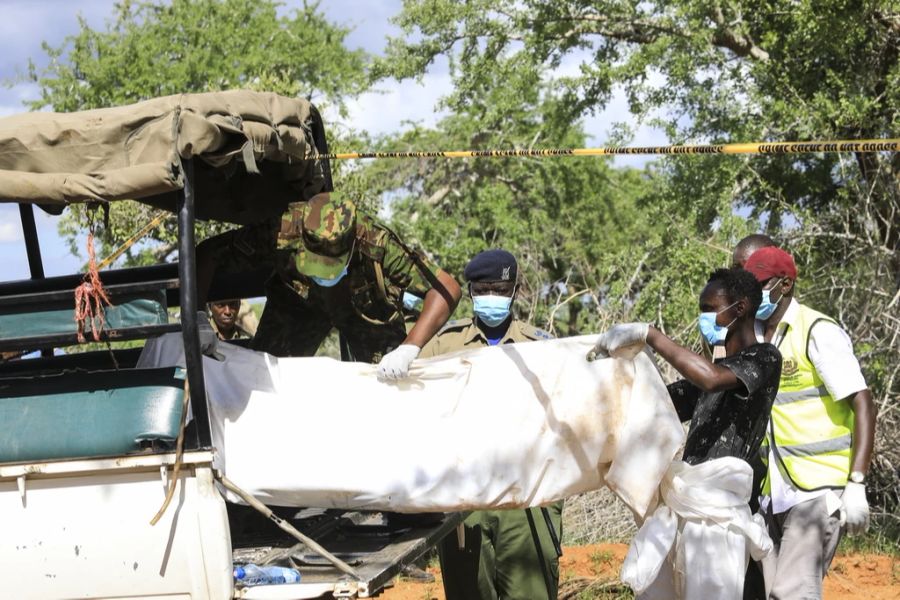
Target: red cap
{"points": [[770, 262]]}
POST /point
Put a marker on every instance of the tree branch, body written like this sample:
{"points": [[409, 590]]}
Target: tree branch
{"points": [[742, 45]]}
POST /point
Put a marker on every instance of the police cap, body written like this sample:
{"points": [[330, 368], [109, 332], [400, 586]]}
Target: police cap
{"points": [[492, 265]]}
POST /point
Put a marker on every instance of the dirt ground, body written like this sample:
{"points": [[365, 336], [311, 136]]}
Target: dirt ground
{"points": [[869, 576]]}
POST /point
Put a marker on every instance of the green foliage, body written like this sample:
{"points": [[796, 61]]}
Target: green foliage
{"points": [[710, 71], [706, 72], [595, 244], [150, 49]]}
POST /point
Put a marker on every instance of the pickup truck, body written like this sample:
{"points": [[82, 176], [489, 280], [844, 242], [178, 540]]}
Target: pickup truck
{"points": [[92, 445]]}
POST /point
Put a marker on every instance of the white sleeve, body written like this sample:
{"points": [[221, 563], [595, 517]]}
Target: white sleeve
{"points": [[831, 353]]}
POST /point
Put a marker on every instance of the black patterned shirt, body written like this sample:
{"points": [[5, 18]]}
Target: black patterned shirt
{"points": [[730, 422]]}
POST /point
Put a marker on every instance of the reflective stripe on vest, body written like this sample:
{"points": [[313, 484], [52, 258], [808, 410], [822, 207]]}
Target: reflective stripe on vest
{"points": [[814, 448], [807, 394], [812, 431]]}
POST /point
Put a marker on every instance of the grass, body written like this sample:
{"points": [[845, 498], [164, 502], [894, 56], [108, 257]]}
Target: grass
{"points": [[880, 541], [601, 559]]}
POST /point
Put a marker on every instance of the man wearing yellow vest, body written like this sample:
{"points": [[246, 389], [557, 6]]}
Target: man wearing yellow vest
{"points": [[820, 437]]}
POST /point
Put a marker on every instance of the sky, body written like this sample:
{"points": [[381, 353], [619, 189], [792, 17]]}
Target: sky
{"points": [[25, 24]]}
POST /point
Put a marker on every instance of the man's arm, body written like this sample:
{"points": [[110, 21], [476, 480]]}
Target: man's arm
{"points": [[703, 373], [863, 430], [831, 352], [439, 291], [440, 302], [854, 505]]}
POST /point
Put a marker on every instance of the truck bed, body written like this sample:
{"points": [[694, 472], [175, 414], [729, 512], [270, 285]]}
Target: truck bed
{"points": [[376, 545]]}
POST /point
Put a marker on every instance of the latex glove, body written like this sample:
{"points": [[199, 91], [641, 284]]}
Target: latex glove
{"points": [[209, 341], [395, 364], [854, 508], [616, 339]]}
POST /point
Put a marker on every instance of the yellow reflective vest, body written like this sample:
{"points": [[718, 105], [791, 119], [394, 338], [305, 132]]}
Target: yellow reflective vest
{"points": [[811, 432]]}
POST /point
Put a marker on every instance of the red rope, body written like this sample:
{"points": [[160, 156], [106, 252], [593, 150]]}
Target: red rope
{"points": [[90, 297]]}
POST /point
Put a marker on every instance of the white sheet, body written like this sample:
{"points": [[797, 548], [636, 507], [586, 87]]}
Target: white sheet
{"points": [[500, 427], [698, 542]]}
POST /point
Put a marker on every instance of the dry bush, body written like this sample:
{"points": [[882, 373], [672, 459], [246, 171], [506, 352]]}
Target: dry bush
{"points": [[593, 588], [597, 517]]}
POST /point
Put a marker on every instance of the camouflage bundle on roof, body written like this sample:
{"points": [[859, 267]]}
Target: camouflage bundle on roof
{"points": [[255, 153]]}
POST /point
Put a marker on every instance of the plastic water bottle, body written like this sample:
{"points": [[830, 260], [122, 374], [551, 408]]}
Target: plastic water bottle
{"points": [[251, 574]]}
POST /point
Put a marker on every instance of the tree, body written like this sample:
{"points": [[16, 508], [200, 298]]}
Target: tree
{"points": [[591, 248], [150, 49], [718, 72]]}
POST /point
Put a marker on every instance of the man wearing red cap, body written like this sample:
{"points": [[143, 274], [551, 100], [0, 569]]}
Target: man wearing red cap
{"points": [[820, 437]]}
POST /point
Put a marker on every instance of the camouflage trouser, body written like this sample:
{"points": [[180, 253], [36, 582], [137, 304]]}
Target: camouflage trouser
{"points": [[508, 555], [295, 326]]}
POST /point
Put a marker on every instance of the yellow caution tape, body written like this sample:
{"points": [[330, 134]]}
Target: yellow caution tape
{"points": [[882, 145], [133, 240], [878, 145]]}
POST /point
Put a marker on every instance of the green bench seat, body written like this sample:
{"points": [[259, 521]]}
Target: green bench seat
{"points": [[49, 318], [80, 415]]}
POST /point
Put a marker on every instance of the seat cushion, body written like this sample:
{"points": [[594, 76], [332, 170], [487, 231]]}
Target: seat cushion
{"points": [[103, 413]]}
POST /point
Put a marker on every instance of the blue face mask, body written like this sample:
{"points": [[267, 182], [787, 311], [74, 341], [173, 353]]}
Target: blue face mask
{"points": [[492, 310], [713, 332], [411, 301], [767, 307], [330, 282]]}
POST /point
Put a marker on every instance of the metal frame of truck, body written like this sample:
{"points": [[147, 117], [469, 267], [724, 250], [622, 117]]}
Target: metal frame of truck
{"points": [[74, 540]]}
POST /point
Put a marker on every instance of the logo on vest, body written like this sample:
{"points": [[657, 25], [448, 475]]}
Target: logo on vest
{"points": [[789, 368]]}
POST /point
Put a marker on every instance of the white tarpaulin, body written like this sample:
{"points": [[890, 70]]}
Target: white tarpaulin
{"points": [[698, 542], [500, 427]]}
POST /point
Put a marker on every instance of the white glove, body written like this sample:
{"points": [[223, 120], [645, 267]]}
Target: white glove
{"points": [[854, 508], [624, 340], [395, 364]]}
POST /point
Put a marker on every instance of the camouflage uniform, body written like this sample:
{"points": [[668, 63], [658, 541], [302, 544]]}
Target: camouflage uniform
{"points": [[365, 306], [508, 554]]}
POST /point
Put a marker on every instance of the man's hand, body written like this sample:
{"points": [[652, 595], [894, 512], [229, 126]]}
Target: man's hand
{"points": [[395, 364], [616, 339], [209, 341], [854, 508]]}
